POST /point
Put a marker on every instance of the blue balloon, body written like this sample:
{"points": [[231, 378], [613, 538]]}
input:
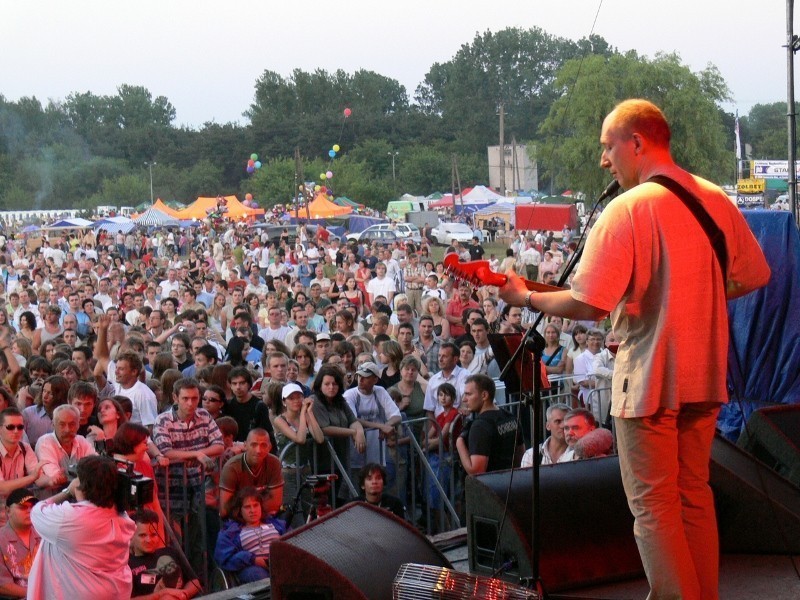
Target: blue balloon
{"points": [[331, 153], [258, 164]]}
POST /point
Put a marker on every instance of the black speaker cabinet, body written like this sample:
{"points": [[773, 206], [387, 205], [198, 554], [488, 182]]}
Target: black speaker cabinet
{"points": [[587, 528], [773, 436], [353, 553], [758, 511]]}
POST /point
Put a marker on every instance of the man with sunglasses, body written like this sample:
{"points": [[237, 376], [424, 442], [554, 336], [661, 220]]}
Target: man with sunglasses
{"points": [[19, 467]]}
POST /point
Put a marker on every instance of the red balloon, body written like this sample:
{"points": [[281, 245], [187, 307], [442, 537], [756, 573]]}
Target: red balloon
{"points": [[347, 112], [251, 163]]}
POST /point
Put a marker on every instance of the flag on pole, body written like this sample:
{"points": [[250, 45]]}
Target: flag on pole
{"points": [[738, 145]]}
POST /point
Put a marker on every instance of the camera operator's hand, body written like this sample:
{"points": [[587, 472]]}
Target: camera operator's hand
{"points": [[73, 487]]}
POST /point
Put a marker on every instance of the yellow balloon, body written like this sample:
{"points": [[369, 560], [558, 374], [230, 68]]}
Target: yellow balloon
{"points": [[301, 187], [336, 147], [322, 176], [316, 188]]}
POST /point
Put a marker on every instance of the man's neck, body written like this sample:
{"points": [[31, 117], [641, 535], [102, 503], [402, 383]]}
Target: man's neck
{"points": [[244, 399], [11, 447]]}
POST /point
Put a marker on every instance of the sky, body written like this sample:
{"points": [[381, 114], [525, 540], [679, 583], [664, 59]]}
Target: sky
{"points": [[205, 56]]}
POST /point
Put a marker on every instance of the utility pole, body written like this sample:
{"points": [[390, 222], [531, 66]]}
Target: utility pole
{"points": [[150, 166], [457, 182], [298, 180], [502, 150], [792, 46], [394, 178], [515, 182]]}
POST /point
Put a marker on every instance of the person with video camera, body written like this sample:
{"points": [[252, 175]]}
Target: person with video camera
{"points": [[85, 545]]}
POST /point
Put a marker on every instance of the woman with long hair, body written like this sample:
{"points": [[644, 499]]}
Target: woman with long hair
{"points": [[354, 295], [553, 355], [27, 325], [38, 418], [579, 337], [216, 313], [391, 355], [130, 443], [22, 347], [110, 417], [363, 275], [5, 326], [348, 353], [335, 418], [431, 305], [168, 380], [162, 362], [294, 423], [305, 364], [412, 388]]}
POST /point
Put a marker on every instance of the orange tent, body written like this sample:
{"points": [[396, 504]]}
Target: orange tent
{"points": [[322, 208], [161, 207], [199, 209]]}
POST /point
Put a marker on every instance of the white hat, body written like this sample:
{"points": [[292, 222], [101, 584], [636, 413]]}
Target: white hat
{"points": [[289, 389], [367, 369]]}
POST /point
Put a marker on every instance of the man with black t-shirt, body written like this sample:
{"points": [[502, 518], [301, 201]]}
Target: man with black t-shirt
{"points": [[490, 441], [242, 406], [476, 251]]}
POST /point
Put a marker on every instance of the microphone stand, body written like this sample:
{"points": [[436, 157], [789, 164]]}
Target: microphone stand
{"points": [[535, 342]]}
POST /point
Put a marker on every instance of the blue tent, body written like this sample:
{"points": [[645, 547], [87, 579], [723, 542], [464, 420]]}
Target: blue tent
{"points": [[764, 354]]}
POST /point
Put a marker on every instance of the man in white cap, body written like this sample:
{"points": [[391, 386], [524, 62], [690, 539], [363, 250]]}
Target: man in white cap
{"points": [[375, 410]]}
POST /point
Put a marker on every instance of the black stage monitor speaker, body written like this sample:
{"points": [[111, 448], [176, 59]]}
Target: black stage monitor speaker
{"points": [[353, 553], [773, 436], [587, 528], [758, 511]]}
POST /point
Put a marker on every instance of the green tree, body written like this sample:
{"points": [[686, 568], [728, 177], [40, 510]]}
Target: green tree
{"points": [[513, 67], [571, 151], [767, 127]]}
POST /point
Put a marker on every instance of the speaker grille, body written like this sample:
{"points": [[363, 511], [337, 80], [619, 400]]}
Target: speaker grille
{"points": [[425, 582]]}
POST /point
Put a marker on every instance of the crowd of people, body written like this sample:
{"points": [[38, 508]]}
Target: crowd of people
{"points": [[236, 365], [226, 361]]}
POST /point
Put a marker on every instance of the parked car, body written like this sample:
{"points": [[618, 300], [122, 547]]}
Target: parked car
{"points": [[274, 231], [382, 236], [407, 231], [447, 233]]}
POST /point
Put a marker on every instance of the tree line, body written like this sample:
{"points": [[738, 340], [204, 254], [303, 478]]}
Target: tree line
{"points": [[87, 150]]}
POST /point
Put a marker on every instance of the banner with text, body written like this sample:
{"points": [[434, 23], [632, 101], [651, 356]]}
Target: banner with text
{"points": [[772, 169]]}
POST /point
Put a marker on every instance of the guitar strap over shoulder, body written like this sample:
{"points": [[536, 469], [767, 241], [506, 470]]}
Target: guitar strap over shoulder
{"points": [[715, 235]]}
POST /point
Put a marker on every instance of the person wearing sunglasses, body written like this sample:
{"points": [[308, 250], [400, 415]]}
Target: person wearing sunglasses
{"points": [[19, 467]]}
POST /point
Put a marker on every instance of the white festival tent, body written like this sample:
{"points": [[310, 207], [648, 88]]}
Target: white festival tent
{"points": [[153, 217], [115, 224]]}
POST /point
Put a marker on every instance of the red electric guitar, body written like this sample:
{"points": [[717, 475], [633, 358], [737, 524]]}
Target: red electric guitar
{"points": [[477, 273]]}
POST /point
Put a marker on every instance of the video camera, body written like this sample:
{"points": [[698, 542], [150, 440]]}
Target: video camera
{"points": [[134, 490]]}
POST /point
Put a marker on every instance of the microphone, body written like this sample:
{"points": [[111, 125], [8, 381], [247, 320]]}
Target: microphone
{"points": [[612, 189]]}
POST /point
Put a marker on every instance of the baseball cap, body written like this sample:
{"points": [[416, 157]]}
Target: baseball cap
{"points": [[321, 337], [368, 368], [289, 389], [21, 496]]}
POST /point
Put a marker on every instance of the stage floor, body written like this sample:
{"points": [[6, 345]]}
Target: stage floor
{"points": [[742, 577]]}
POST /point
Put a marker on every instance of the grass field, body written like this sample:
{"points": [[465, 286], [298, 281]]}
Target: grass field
{"points": [[499, 250]]}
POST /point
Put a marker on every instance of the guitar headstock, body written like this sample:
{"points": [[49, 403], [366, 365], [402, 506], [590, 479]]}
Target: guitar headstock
{"points": [[476, 273]]}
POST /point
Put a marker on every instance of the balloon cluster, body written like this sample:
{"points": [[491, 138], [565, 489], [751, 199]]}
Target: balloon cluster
{"points": [[253, 163], [334, 149], [249, 202]]}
